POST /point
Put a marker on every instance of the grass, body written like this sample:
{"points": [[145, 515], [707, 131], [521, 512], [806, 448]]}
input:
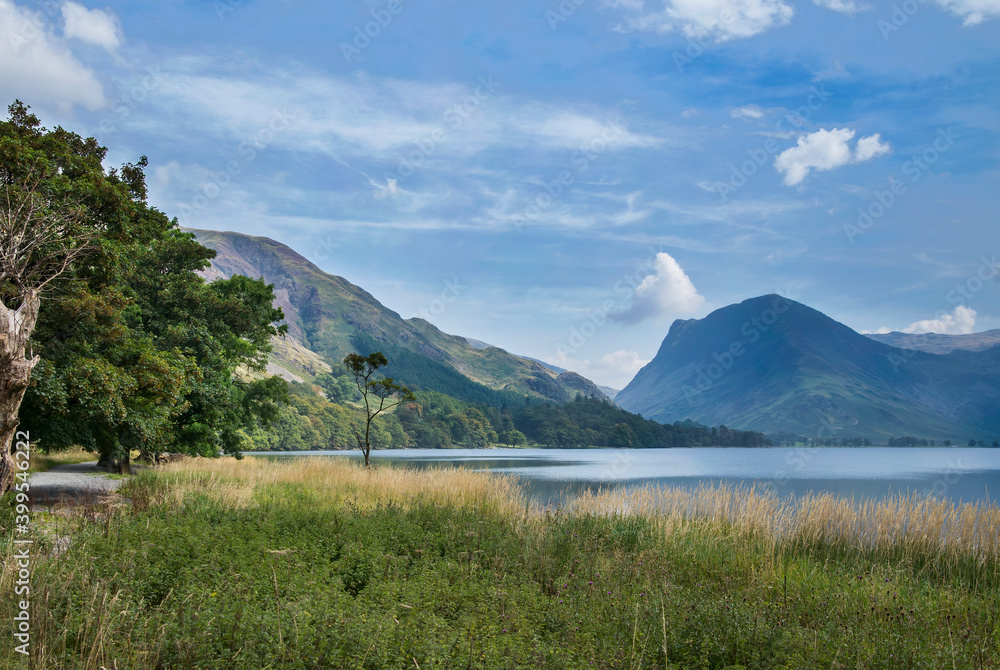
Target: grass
{"points": [[318, 563]]}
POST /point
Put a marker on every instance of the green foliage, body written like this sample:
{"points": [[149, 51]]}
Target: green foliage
{"points": [[423, 374], [137, 350], [378, 394], [310, 422], [588, 422], [294, 581]]}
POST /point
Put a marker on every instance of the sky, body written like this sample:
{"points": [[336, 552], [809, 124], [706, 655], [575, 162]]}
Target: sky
{"points": [[563, 179]]}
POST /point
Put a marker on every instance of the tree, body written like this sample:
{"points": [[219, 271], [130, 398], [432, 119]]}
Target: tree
{"points": [[135, 350], [42, 230], [362, 368], [514, 438]]}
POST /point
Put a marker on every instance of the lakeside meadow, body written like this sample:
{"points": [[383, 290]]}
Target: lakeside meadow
{"points": [[323, 564]]}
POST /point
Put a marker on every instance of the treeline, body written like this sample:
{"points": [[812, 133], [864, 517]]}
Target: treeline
{"points": [[599, 423], [439, 421], [786, 439], [909, 441]]}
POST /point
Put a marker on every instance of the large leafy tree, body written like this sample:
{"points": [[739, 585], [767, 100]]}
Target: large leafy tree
{"points": [[134, 349], [55, 200]]}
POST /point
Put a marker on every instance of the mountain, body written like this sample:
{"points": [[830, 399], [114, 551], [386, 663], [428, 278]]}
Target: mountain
{"points": [[329, 317], [936, 343], [772, 364]]}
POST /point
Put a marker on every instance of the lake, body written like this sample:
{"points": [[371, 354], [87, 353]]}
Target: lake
{"points": [[959, 474]]}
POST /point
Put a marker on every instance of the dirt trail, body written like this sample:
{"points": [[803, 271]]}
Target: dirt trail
{"points": [[71, 483]]}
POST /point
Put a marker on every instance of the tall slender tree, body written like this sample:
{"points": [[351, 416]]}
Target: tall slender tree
{"points": [[376, 393]]}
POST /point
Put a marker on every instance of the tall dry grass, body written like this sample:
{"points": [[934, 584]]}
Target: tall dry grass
{"points": [[238, 483], [926, 532], [940, 535]]}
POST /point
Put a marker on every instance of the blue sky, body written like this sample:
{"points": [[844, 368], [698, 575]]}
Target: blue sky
{"points": [[562, 179]]}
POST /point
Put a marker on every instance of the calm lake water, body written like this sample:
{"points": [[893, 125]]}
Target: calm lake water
{"points": [[960, 474]]}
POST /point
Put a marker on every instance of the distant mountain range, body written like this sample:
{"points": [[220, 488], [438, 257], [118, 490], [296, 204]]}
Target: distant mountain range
{"points": [[935, 343], [329, 317], [767, 364], [772, 364]]}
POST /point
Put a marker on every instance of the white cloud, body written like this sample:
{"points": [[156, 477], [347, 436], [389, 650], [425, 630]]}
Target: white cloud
{"points": [[849, 7], [961, 322], [37, 67], [92, 26], [972, 11], [722, 20], [826, 150], [665, 293], [870, 147], [747, 112]]}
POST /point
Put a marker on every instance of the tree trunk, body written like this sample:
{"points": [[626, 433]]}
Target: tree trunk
{"points": [[16, 327]]}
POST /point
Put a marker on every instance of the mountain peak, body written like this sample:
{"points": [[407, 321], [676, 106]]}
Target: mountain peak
{"points": [[770, 363]]}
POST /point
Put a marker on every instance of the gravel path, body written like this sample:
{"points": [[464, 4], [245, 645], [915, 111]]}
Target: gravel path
{"points": [[70, 483]]}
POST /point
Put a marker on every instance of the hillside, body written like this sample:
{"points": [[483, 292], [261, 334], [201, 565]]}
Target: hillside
{"points": [[329, 317], [772, 364]]}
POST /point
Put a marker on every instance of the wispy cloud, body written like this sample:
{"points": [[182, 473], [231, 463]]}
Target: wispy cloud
{"points": [[849, 7], [972, 12], [722, 20]]}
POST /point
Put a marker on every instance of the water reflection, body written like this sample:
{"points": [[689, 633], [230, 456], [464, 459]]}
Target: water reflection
{"points": [[959, 474]]}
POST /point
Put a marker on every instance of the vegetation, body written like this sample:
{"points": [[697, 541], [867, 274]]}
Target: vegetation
{"points": [[379, 394], [433, 420], [424, 374], [594, 422], [40, 462], [135, 351], [226, 564]]}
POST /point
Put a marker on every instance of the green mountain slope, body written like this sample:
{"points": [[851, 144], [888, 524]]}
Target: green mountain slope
{"points": [[332, 317], [772, 364]]}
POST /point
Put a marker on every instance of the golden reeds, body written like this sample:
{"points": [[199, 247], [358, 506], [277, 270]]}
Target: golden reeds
{"points": [[909, 527], [235, 483], [919, 529]]}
